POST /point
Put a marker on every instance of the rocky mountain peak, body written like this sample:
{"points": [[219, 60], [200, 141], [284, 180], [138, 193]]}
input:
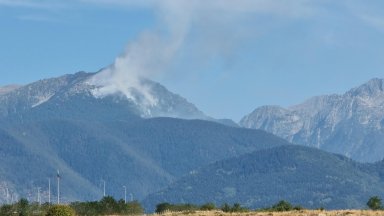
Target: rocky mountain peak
{"points": [[63, 89], [372, 88], [351, 124]]}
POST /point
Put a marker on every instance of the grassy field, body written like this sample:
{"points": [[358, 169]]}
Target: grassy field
{"points": [[292, 213]]}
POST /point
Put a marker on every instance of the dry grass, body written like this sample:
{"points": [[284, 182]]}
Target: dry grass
{"points": [[292, 213]]}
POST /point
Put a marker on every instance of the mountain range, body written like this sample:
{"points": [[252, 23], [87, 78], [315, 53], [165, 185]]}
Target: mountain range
{"points": [[351, 124], [305, 176], [169, 150], [58, 124]]}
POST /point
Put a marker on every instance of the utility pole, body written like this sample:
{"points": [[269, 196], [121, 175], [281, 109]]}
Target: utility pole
{"points": [[103, 188], [38, 196], [125, 194], [7, 194], [49, 190], [58, 187], [12, 197]]}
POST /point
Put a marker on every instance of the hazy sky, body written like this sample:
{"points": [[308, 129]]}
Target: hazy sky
{"points": [[225, 56]]}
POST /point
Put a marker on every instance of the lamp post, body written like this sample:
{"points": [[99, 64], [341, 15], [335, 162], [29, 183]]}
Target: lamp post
{"points": [[7, 194], [49, 191], [58, 187], [103, 187], [125, 194], [38, 196]]}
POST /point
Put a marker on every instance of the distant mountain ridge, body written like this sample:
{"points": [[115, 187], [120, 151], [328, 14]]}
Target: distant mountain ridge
{"points": [[8, 88], [351, 124], [304, 176]]}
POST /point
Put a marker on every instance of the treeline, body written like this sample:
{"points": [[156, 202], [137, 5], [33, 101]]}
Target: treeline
{"points": [[374, 203], [109, 206], [106, 206], [236, 207]]}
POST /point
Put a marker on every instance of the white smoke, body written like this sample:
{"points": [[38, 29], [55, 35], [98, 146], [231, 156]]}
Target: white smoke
{"points": [[155, 49], [148, 55]]}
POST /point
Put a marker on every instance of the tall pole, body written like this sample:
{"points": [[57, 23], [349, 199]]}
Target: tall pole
{"points": [[7, 194], [103, 188], [125, 194], [58, 187], [38, 196], [49, 190]]}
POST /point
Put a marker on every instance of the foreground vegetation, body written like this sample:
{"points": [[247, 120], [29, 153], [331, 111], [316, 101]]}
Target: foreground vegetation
{"points": [[109, 206], [287, 213], [106, 206], [282, 208], [278, 207]]}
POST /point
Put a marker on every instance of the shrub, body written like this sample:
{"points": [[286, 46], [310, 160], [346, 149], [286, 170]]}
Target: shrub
{"points": [[226, 207], [60, 210], [108, 205], [132, 208], [162, 207], [6, 210], [298, 208], [235, 208], [282, 206], [374, 203], [208, 207]]}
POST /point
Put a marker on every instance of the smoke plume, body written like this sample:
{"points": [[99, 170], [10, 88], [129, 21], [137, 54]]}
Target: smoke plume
{"points": [[214, 22]]}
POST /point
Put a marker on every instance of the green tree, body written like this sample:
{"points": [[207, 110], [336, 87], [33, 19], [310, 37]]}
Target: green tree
{"points": [[60, 210], [22, 207], [374, 203], [282, 206], [162, 207], [108, 205]]}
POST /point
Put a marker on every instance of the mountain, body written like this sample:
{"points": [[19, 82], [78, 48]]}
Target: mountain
{"points": [[18, 100], [301, 175], [59, 124], [350, 124], [8, 88]]}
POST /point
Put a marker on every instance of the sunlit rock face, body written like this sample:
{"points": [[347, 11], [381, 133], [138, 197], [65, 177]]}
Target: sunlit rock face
{"points": [[350, 124]]}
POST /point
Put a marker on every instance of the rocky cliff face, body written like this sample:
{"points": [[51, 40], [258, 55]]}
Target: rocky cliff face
{"points": [[350, 124]]}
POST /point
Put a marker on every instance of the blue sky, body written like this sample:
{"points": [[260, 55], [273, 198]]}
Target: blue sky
{"points": [[229, 56]]}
